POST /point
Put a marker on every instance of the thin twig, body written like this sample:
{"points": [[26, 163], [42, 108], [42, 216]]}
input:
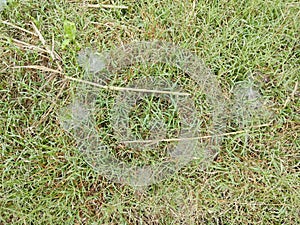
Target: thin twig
{"points": [[38, 33], [43, 68], [29, 46], [295, 90], [106, 6], [50, 51], [193, 138], [42, 39], [114, 88], [19, 28], [289, 98]]}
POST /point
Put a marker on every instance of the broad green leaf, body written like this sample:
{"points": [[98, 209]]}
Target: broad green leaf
{"points": [[69, 30]]}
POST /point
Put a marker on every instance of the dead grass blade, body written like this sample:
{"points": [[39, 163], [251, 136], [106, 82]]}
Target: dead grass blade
{"points": [[49, 50], [114, 88], [43, 68], [195, 138], [19, 28], [106, 6]]}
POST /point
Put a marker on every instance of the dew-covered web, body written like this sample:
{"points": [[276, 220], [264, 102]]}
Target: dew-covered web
{"points": [[147, 109], [2, 4]]}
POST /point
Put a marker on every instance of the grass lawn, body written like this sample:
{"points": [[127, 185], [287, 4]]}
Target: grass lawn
{"points": [[255, 178]]}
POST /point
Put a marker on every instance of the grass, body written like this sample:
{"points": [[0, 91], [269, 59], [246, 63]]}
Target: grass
{"points": [[45, 180]]}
